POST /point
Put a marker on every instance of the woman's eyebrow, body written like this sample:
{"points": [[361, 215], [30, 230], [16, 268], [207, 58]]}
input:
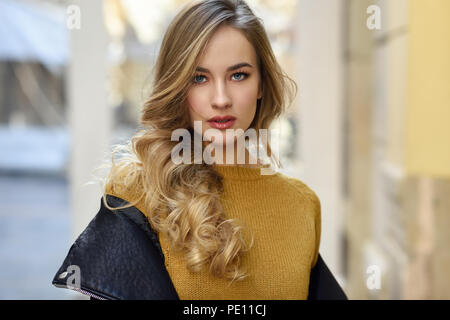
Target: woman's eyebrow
{"points": [[234, 67]]}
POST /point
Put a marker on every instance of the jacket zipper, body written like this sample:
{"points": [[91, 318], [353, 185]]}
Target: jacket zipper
{"points": [[88, 293]]}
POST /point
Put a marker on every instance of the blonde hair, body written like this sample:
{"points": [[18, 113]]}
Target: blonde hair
{"points": [[182, 201]]}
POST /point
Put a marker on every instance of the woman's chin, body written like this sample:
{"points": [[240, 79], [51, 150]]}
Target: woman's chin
{"points": [[221, 142]]}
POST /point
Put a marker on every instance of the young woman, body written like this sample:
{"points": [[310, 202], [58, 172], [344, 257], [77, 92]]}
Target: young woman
{"points": [[223, 230]]}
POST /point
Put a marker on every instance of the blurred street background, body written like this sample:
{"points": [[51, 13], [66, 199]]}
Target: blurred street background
{"points": [[369, 130]]}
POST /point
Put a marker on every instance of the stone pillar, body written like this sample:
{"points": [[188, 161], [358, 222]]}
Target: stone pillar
{"points": [[358, 160], [89, 114], [319, 46]]}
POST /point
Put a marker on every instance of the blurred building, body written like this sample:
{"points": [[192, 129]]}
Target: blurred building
{"points": [[398, 149]]}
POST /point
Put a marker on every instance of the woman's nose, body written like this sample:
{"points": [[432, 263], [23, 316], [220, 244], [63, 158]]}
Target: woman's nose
{"points": [[221, 98]]}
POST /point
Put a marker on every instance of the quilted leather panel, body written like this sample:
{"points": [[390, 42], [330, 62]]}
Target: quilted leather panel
{"points": [[119, 257]]}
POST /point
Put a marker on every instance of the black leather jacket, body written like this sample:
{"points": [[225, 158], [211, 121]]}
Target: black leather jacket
{"points": [[118, 256]]}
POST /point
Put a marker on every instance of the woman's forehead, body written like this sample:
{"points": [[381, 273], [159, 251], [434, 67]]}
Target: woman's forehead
{"points": [[227, 47]]}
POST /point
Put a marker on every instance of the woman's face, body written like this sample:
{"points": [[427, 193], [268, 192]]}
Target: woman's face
{"points": [[226, 83]]}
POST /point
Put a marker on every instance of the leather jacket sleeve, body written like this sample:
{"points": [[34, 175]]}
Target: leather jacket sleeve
{"points": [[323, 285]]}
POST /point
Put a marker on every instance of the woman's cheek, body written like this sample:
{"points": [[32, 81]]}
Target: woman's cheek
{"points": [[194, 106], [247, 98]]}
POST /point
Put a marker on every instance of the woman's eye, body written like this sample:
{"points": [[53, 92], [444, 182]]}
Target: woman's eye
{"points": [[196, 77], [243, 75]]}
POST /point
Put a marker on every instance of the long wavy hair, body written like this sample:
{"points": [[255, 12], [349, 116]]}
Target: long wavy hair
{"points": [[182, 201]]}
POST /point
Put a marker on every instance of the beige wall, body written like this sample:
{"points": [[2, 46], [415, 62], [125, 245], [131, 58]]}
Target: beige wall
{"points": [[428, 117]]}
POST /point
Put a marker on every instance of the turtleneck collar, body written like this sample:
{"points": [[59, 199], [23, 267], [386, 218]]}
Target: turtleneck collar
{"points": [[239, 172]]}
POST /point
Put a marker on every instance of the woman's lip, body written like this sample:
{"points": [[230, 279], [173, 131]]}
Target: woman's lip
{"points": [[227, 117], [222, 125]]}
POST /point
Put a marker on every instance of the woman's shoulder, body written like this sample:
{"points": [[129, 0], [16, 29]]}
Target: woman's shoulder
{"points": [[309, 196], [126, 184], [298, 186]]}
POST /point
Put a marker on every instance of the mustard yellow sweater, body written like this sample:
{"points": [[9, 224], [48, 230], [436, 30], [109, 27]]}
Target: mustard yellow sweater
{"points": [[284, 215]]}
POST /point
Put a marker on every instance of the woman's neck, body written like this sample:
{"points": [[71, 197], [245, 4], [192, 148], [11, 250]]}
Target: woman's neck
{"points": [[248, 160]]}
